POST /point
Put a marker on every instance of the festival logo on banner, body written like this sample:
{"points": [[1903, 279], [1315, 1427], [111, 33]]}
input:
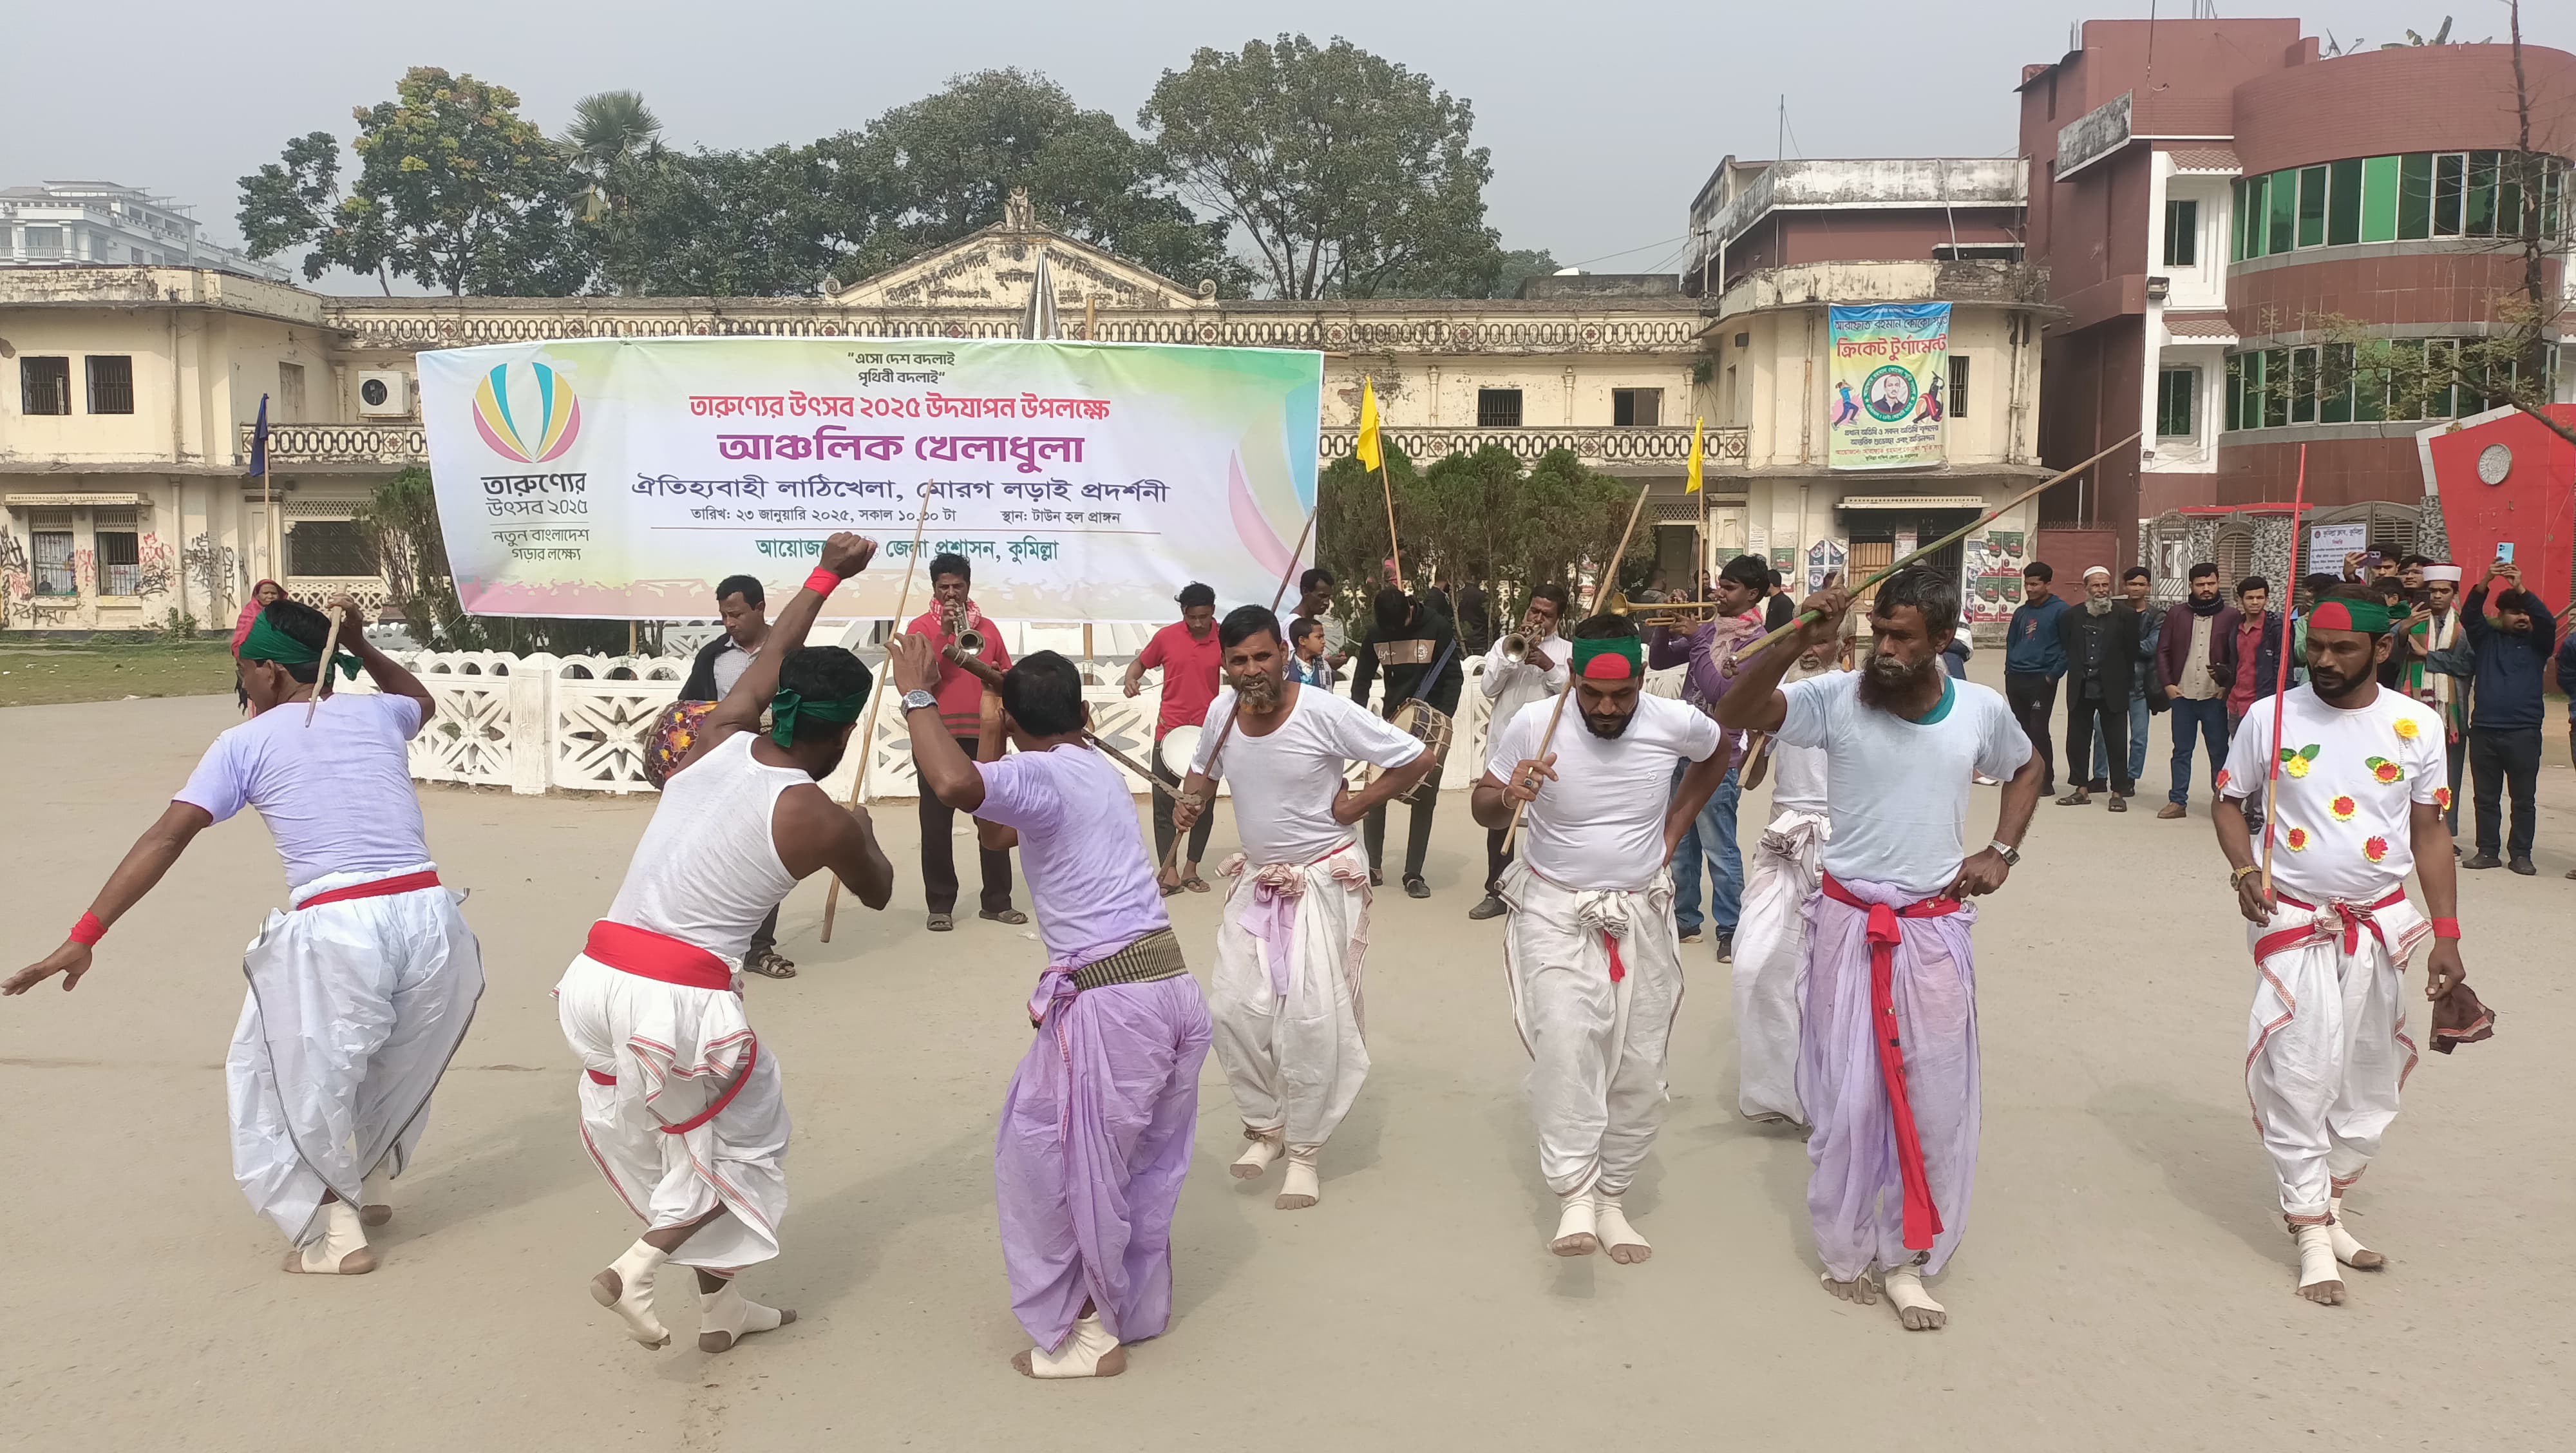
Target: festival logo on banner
{"points": [[527, 412], [1890, 363]]}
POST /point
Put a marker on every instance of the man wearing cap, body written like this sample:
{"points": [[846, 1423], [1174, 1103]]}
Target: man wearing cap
{"points": [[2435, 629], [2359, 803], [1592, 953], [2100, 641]]}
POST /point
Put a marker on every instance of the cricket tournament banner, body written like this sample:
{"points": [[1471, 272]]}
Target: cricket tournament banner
{"points": [[1890, 362], [1084, 481]]}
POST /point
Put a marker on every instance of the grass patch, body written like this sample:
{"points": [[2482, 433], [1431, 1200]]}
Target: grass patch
{"points": [[45, 675]]}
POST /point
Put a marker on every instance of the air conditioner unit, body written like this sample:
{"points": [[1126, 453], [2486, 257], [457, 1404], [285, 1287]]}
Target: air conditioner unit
{"points": [[384, 393]]}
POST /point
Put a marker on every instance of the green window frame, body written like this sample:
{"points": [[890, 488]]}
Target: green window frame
{"points": [[2379, 199], [2450, 191], [2281, 227], [2234, 392], [2182, 232], [2177, 395], [2277, 380], [2415, 195], [2441, 400], [2334, 384], [2303, 385], [2480, 219], [2343, 204], [2312, 206], [2401, 405]]}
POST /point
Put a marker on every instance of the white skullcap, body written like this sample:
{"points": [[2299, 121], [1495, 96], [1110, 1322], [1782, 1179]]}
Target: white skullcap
{"points": [[2450, 573], [2092, 570]]}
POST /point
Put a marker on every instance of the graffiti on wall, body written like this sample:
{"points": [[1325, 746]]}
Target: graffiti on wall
{"points": [[155, 569], [214, 570], [17, 586]]}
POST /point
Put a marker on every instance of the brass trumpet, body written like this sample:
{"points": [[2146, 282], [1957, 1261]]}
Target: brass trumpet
{"points": [[1516, 648]]}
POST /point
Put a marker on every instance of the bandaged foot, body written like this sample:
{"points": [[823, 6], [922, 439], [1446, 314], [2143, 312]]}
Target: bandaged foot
{"points": [[1302, 1187], [1860, 1290], [1577, 1227], [341, 1249], [2347, 1247], [2318, 1280], [1618, 1238], [1256, 1157], [376, 1198], [729, 1316], [626, 1288], [1088, 1351], [1914, 1306]]}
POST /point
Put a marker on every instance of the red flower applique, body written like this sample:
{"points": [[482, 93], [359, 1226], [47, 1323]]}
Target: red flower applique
{"points": [[2442, 798], [2375, 849], [2385, 770], [2296, 839], [2343, 808], [2220, 782]]}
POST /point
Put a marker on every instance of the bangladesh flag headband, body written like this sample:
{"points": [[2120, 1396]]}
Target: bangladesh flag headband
{"points": [[2367, 617], [267, 643], [1618, 658], [788, 707]]}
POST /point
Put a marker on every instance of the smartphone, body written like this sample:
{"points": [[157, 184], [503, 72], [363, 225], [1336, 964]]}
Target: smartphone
{"points": [[2504, 552], [2371, 560]]}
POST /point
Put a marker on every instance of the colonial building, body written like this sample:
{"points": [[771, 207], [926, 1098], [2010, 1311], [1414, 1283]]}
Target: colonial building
{"points": [[125, 446]]}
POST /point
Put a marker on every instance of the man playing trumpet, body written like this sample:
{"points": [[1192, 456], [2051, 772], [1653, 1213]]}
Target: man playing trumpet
{"points": [[961, 635], [1521, 668]]}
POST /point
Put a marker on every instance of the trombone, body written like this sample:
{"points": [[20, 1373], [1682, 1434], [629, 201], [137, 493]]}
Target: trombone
{"points": [[1661, 613]]}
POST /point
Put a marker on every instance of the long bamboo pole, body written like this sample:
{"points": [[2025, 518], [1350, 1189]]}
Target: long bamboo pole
{"points": [[1600, 593], [2281, 673], [868, 727]]}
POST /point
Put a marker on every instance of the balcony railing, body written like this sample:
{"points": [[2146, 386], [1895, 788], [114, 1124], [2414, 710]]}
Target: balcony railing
{"points": [[341, 444], [1623, 450]]}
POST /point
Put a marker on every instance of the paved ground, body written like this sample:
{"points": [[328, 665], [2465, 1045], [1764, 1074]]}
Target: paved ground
{"points": [[2125, 1283]]}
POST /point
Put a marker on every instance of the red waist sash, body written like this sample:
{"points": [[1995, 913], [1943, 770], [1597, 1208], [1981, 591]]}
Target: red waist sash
{"points": [[650, 955], [1922, 1218], [380, 888], [2355, 916]]}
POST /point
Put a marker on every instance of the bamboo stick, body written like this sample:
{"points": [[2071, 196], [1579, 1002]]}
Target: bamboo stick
{"points": [[1600, 592], [868, 727], [2281, 674]]}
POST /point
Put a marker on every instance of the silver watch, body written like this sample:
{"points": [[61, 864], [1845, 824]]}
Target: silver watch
{"points": [[2006, 851], [916, 699]]}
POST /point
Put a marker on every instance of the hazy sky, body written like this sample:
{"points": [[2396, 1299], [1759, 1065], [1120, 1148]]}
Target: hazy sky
{"points": [[1603, 117]]}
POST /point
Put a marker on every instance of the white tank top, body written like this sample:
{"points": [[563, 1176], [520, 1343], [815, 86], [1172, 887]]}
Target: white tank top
{"points": [[707, 870]]}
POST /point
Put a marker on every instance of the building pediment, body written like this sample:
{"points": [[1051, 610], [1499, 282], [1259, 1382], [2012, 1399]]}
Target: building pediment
{"points": [[994, 268]]}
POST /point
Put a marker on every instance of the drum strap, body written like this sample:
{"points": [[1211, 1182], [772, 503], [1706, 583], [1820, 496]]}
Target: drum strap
{"points": [[1438, 665]]}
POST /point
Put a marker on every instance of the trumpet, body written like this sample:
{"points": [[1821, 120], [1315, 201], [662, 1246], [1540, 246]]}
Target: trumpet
{"points": [[965, 649], [1516, 648], [1661, 613]]}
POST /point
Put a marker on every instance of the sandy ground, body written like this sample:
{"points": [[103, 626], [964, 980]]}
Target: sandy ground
{"points": [[2125, 1283]]}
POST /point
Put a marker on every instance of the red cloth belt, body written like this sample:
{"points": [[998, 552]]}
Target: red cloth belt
{"points": [[380, 888], [650, 955], [1922, 1218], [2355, 917]]}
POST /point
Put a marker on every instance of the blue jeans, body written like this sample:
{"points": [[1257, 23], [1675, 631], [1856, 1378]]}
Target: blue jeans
{"points": [[1715, 825], [2207, 720], [2137, 746]]}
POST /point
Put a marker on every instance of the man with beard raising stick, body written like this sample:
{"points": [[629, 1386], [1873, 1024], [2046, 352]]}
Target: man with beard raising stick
{"points": [[1887, 1066], [681, 1109], [1097, 1128], [1592, 953], [1286, 991], [2360, 776]]}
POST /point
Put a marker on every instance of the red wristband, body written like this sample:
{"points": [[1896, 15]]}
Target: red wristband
{"points": [[822, 581], [2446, 928], [88, 931]]}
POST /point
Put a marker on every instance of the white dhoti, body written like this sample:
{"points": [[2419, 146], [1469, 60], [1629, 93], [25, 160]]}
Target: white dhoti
{"points": [[355, 1007], [1596, 978], [681, 1109], [2328, 1049], [1285, 995], [1771, 962]]}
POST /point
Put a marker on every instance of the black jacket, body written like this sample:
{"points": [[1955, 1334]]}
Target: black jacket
{"points": [[701, 685], [2113, 637], [1432, 624]]}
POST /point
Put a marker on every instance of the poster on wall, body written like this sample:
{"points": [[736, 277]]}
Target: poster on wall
{"points": [[1826, 557], [1890, 363], [1991, 571], [2328, 544], [1081, 481]]}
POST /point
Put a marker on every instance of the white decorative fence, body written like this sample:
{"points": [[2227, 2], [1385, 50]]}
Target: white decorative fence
{"points": [[545, 723]]}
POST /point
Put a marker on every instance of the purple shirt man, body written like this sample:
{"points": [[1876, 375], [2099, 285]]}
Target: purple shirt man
{"points": [[1709, 652]]}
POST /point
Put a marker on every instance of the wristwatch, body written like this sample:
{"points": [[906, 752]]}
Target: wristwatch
{"points": [[2006, 851], [916, 699]]}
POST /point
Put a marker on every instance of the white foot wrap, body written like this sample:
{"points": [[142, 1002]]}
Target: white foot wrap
{"points": [[1257, 1156], [1302, 1187], [729, 1316], [1914, 1306], [341, 1249], [2318, 1279], [376, 1198], [2347, 1247], [626, 1288], [1577, 1227], [1088, 1351], [1618, 1238]]}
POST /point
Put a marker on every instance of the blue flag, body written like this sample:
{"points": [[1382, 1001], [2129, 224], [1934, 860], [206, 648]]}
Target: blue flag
{"points": [[259, 439]]}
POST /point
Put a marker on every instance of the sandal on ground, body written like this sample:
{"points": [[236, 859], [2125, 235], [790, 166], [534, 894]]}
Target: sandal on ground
{"points": [[1195, 883], [1168, 888], [769, 965], [1007, 915], [941, 922]]}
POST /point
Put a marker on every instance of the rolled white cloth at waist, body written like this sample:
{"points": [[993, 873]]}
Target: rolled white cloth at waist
{"points": [[1270, 914]]}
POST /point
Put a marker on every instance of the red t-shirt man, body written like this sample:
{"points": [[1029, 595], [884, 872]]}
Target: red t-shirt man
{"points": [[1190, 669], [960, 691]]}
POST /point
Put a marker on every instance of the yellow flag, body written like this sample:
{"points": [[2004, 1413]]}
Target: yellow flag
{"points": [[1370, 456], [1694, 455]]}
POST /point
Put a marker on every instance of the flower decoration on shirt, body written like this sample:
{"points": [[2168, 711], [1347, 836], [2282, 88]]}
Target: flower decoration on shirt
{"points": [[2296, 839], [2406, 729], [2218, 781], [2442, 798], [2343, 808], [2384, 769], [2295, 760], [2375, 849]]}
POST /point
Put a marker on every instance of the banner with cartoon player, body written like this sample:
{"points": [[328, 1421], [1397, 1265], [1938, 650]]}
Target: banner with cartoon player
{"points": [[1890, 365], [1084, 481]]}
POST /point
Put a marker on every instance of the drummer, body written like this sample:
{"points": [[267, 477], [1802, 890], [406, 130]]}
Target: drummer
{"points": [[1414, 643], [1187, 651]]}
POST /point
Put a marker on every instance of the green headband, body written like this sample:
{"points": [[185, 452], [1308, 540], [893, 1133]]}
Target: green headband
{"points": [[2368, 617], [787, 707], [1624, 648], [267, 643]]}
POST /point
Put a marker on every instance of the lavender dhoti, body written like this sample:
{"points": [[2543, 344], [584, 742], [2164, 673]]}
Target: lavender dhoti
{"points": [[1095, 1140], [1856, 1192]]}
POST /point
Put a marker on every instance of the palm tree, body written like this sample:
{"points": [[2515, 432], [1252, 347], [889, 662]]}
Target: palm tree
{"points": [[609, 128]]}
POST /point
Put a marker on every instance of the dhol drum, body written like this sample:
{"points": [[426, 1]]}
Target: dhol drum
{"points": [[1180, 744], [1428, 725], [668, 740]]}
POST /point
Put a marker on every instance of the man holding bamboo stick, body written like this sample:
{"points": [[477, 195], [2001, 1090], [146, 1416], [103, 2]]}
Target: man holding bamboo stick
{"points": [[2358, 779], [1887, 1066]]}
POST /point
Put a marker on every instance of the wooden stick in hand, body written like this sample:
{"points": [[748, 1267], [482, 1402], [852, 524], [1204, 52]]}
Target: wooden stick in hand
{"points": [[322, 678]]}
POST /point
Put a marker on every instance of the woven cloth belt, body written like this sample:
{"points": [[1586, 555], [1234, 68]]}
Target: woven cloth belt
{"points": [[1155, 956]]}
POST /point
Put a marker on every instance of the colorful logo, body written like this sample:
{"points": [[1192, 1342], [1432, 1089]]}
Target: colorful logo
{"points": [[527, 411], [2384, 769]]}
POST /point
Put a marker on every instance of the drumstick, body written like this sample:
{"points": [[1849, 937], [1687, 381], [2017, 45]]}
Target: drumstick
{"points": [[868, 728], [1600, 593], [1172, 854], [322, 680]]}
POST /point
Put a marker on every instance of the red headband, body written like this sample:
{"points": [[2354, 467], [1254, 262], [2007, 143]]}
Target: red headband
{"points": [[1608, 667]]}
